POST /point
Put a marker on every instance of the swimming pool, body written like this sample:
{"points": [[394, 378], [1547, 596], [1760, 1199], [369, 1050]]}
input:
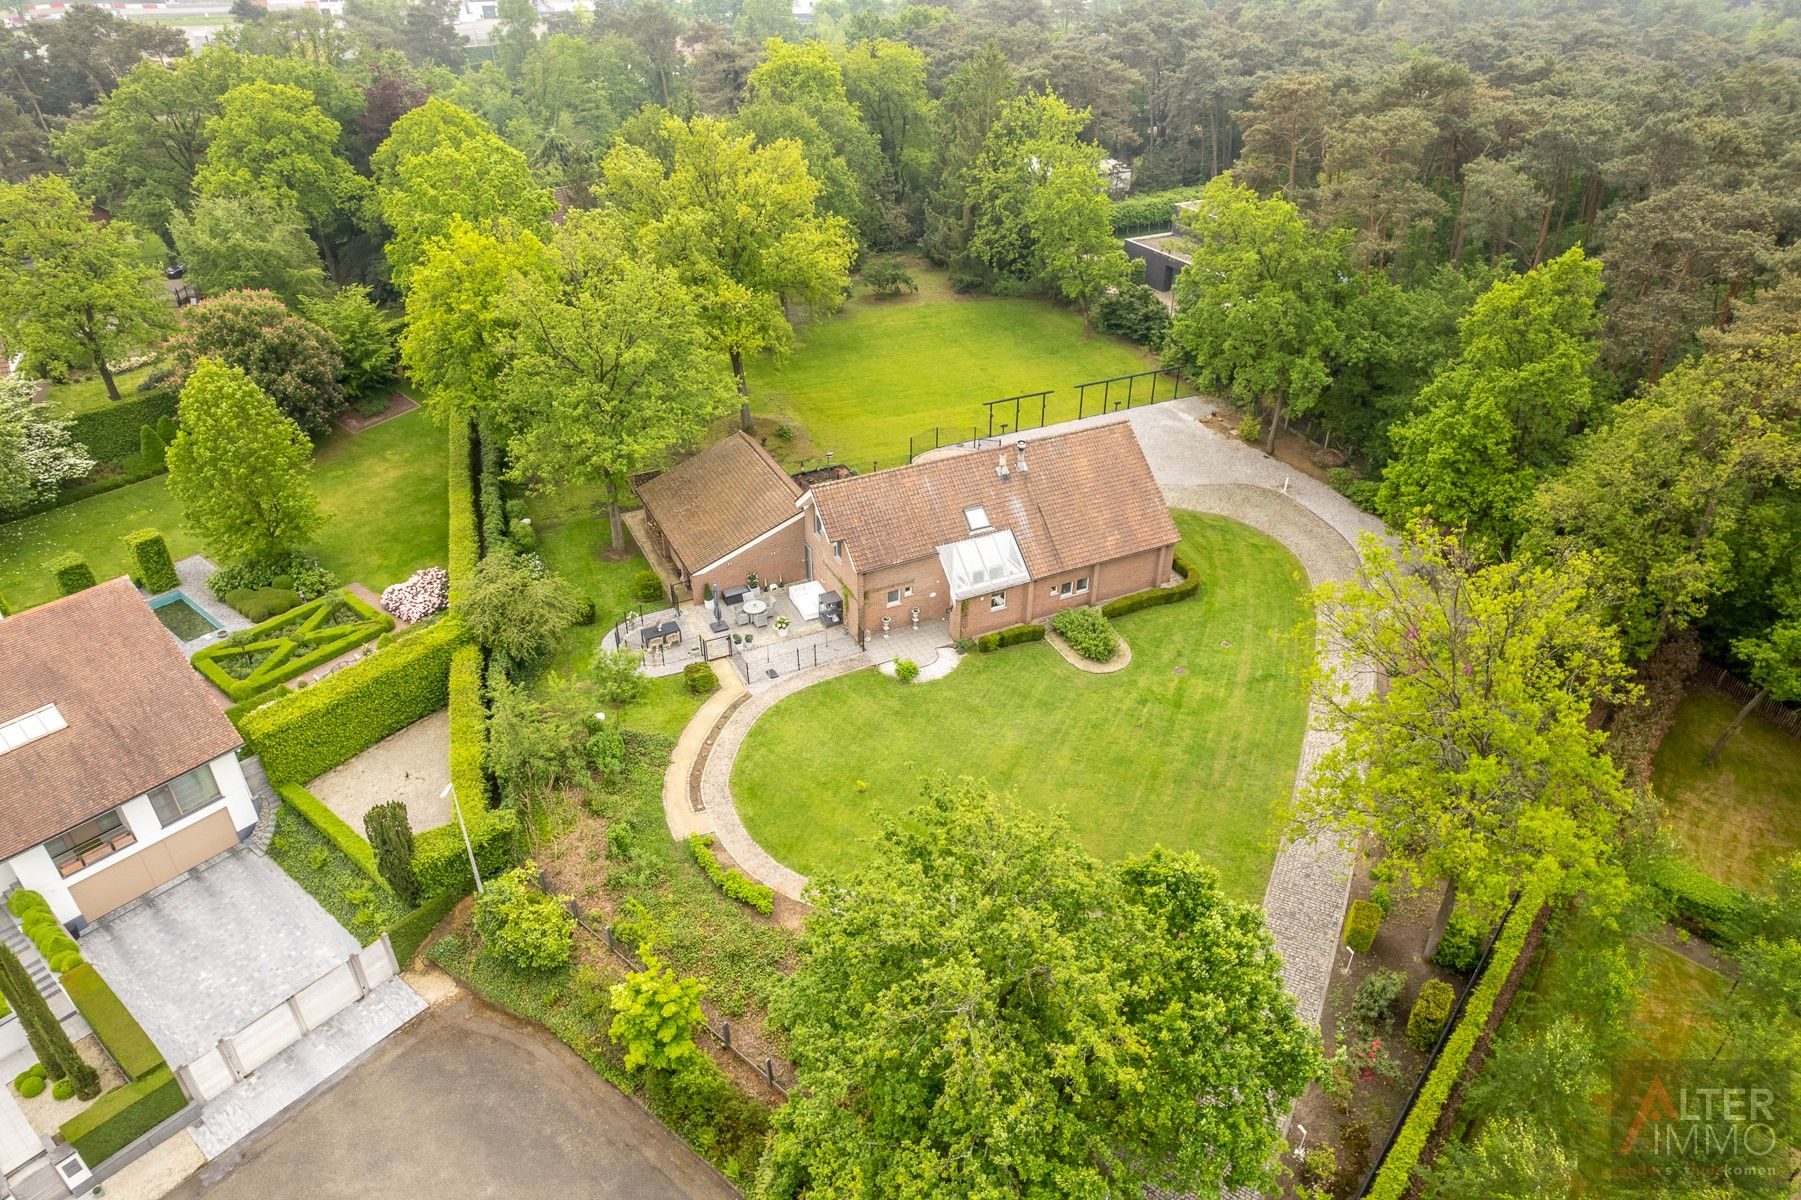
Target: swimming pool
{"points": [[183, 619]]}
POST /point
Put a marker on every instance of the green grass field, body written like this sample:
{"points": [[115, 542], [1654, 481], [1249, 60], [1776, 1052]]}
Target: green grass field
{"points": [[89, 393], [384, 491], [1739, 817], [859, 383], [1188, 747]]}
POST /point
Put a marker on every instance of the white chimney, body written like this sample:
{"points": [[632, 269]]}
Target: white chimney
{"points": [[1000, 467], [1021, 447]]}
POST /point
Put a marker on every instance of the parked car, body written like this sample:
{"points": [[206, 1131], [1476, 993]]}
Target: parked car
{"points": [[175, 270]]}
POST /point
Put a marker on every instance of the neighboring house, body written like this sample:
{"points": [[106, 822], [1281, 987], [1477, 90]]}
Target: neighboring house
{"points": [[987, 540], [725, 514], [118, 771]]}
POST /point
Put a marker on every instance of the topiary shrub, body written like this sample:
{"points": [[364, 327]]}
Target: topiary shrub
{"points": [[1088, 633], [151, 448], [151, 562], [262, 604], [521, 925], [700, 678], [646, 587], [62, 1089], [391, 836], [71, 572], [34, 1071], [906, 670], [1431, 1010], [166, 429], [31, 1085], [1361, 924]]}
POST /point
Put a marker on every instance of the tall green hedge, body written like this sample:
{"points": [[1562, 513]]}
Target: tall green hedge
{"points": [[124, 1115], [113, 432], [1698, 902], [409, 933], [1150, 209], [465, 544], [307, 733], [335, 829], [71, 572], [150, 558], [1396, 1176], [113, 1023], [440, 861]]}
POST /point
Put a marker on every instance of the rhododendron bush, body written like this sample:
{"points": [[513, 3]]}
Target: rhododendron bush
{"points": [[419, 597]]}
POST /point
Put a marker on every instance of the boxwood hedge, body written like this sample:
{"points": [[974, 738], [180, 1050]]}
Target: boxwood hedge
{"points": [[124, 1115], [307, 733], [1013, 635], [113, 432], [113, 1023], [1698, 902], [1151, 598], [335, 829], [71, 572], [150, 558], [297, 641], [1395, 1178]]}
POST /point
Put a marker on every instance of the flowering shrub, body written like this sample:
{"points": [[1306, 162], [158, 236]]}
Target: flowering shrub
{"points": [[419, 597]]}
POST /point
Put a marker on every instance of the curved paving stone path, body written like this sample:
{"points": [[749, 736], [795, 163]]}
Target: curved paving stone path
{"points": [[1206, 471]]}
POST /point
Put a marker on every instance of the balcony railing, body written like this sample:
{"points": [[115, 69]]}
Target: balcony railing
{"points": [[83, 857]]}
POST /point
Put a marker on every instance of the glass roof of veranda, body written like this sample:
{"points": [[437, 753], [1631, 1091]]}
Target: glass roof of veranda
{"points": [[987, 563]]}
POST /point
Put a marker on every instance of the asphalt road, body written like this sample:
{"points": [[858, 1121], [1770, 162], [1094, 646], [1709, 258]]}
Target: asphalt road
{"points": [[469, 1102]]}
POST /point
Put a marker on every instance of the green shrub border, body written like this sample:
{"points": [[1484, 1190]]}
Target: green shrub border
{"points": [[335, 830], [1153, 597], [1149, 209], [113, 1023], [150, 554], [465, 539], [1013, 635], [1395, 1177], [304, 617], [306, 733], [734, 883], [124, 1115], [71, 572], [1698, 902], [409, 933], [113, 433]]}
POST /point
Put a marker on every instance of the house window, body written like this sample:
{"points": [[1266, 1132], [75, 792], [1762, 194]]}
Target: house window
{"points": [[997, 601], [40, 722], [1063, 588], [94, 839], [977, 516], [838, 551], [818, 523], [1081, 585], [897, 594], [185, 794]]}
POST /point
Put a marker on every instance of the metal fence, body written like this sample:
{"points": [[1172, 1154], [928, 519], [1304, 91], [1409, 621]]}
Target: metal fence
{"points": [[238, 1054], [1038, 410], [760, 662], [1716, 678], [780, 1078]]}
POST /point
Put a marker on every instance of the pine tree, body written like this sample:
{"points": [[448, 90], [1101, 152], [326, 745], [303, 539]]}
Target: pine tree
{"points": [[391, 835]]}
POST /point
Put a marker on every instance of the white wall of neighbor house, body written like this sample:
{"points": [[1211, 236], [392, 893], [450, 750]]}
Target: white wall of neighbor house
{"points": [[36, 870]]}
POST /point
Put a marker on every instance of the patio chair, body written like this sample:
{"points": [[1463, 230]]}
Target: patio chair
{"points": [[762, 618], [742, 617], [672, 633]]}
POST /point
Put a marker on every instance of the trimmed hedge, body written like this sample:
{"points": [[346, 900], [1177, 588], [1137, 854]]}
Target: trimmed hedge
{"points": [[1395, 1177], [150, 555], [307, 733], [441, 864], [1150, 208], [700, 678], [113, 432], [335, 829], [1013, 635], [124, 1115], [465, 541], [1361, 924], [1152, 597], [1698, 902], [113, 1023], [409, 933], [298, 641], [39, 923], [1431, 1009], [71, 572], [236, 713], [734, 883]]}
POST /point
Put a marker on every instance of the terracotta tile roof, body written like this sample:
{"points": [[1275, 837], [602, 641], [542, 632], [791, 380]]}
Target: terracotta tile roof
{"points": [[1086, 496], [138, 714], [728, 495]]}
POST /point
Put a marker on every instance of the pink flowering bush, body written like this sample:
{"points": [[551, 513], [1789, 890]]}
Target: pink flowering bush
{"points": [[419, 597]]}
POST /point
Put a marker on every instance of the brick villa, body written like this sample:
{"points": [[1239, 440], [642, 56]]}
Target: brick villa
{"points": [[979, 539]]}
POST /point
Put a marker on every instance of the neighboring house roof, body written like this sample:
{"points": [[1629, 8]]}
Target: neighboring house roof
{"points": [[137, 714], [721, 500], [1085, 497]]}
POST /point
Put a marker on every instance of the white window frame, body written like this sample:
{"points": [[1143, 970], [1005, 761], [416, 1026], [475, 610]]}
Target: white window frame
{"points": [[26, 728], [1082, 586], [164, 793], [997, 601], [976, 517], [894, 597]]}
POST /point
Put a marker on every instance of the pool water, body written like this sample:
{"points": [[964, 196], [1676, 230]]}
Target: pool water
{"points": [[183, 619]]}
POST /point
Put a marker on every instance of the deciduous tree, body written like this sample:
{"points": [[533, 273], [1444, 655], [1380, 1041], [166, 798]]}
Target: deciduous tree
{"points": [[36, 451], [292, 360], [986, 1010], [87, 294], [239, 469], [247, 243], [364, 336]]}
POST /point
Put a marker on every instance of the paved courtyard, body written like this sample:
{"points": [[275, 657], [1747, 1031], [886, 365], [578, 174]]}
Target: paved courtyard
{"points": [[468, 1102], [412, 766], [207, 956]]}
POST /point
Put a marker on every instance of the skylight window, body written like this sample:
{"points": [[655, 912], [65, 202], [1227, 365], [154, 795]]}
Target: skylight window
{"points": [[977, 516], [29, 728]]}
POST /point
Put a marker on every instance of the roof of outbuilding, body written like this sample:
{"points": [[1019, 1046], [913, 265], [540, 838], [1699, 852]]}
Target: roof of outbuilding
{"points": [[1085, 497], [137, 713], [722, 499]]}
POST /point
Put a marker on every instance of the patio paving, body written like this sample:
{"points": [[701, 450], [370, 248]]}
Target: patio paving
{"points": [[202, 959]]}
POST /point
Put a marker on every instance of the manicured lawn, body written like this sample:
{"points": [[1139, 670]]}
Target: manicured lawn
{"points": [[860, 382], [1188, 747], [384, 489], [87, 394], [1739, 817]]}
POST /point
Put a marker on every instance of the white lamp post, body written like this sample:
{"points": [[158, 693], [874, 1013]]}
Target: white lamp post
{"points": [[450, 790]]}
